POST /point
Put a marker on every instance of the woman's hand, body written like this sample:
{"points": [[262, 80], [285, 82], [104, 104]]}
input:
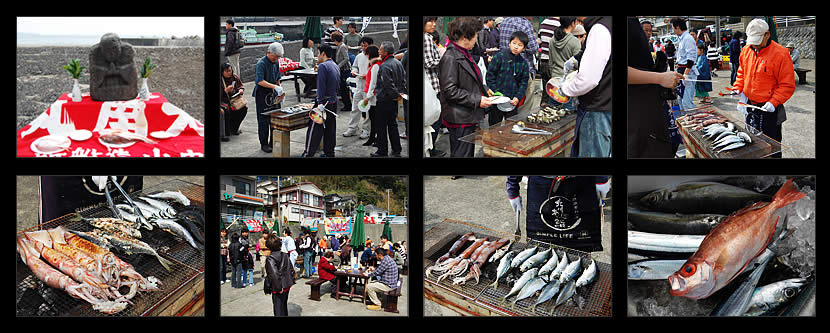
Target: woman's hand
{"points": [[228, 89], [669, 79], [514, 101]]}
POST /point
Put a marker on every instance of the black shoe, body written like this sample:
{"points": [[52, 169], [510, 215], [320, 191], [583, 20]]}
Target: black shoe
{"points": [[437, 153], [375, 154], [369, 143], [225, 139], [398, 154], [266, 148]]}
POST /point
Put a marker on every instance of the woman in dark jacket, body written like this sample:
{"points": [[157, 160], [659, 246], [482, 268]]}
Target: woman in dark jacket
{"points": [[232, 118], [463, 92], [280, 274], [236, 261]]}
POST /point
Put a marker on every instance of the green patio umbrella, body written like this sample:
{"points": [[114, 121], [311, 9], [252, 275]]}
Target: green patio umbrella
{"points": [[312, 29], [358, 238], [773, 31], [387, 230]]}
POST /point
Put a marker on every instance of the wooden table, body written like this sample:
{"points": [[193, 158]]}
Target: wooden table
{"points": [[699, 147], [301, 73], [282, 124], [355, 278], [802, 75], [499, 141]]}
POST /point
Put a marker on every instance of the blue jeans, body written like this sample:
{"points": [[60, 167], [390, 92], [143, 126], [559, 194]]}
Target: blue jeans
{"points": [[594, 134], [307, 262], [734, 67], [250, 273], [223, 269], [686, 92], [243, 274], [236, 274]]}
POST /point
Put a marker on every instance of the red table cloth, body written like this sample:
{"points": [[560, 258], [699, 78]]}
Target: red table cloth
{"points": [[136, 116]]}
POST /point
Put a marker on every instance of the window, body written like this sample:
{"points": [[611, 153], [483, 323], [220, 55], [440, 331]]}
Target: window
{"points": [[242, 187], [295, 210], [306, 199]]}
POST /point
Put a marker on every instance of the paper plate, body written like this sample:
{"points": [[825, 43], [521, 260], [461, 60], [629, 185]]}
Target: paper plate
{"points": [[60, 140], [116, 145], [506, 107], [363, 107], [499, 99], [80, 135], [161, 135]]}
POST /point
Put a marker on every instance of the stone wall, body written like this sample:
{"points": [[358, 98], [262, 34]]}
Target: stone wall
{"points": [[803, 37], [41, 78], [250, 54]]}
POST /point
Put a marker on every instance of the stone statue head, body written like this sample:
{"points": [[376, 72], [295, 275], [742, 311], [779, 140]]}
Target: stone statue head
{"points": [[110, 47]]}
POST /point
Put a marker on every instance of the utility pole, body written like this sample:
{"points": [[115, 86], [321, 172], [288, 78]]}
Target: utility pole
{"points": [[387, 201]]}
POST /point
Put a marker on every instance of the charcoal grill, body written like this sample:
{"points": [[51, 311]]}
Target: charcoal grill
{"points": [[596, 296], [34, 298]]}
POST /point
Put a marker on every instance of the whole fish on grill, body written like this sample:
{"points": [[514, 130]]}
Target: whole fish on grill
{"points": [[535, 260], [504, 267], [529, 289], [567, 291], [500, 253], [701, 198], [520, 283], [550, 290], [522, 256], [588, 275], [176, 229], [731, 246], [571, 271], [110, 225], [560, 267], [127, 244], [550, 265], [160, 205]]}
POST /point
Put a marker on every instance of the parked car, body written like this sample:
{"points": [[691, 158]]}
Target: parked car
{"points": [[395, 220]]}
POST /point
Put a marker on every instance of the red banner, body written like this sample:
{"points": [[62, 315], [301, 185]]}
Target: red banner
{"points": [[288, 64], [155, 119], [253, 225]]}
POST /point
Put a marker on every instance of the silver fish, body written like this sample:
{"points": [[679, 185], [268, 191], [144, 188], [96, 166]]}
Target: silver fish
{"points": [[177, 229], [588, 275], [500, 253], [504, 267], [178, 196], [715, 132], [571, 271], [132, 245], [567, 291], [547, 293], [522, 256], [529, 289], [727, 141], [653, 269], [733, 146], [161, 205], [535, 260], [745, 137], [550, 265], [723, 135], [649, 242], [520, 283], [559, 267], [150, 211], [769, 297]]}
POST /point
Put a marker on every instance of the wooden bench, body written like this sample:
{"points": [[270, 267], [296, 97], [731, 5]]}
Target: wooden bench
{"points": [[802, 75], [390, 299], [315, 288]]}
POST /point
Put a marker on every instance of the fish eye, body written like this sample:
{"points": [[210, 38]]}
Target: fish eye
{"points": [[688, 270], [789, 292]]}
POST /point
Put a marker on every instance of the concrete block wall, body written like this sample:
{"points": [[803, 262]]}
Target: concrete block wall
{"points": [[41, 78], [804, 38]]}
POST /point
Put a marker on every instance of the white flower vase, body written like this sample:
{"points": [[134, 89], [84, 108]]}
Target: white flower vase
{"points": [[144, 92], [76, 91]]}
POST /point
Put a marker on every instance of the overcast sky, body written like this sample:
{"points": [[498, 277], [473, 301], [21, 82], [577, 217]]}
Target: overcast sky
{"points": [[123, 26]]}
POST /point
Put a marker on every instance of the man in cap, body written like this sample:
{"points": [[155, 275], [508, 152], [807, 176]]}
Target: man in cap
{"points": [[766, 79], [794, 54]]}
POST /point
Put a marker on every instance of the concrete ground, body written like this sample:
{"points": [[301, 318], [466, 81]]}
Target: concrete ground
{"points": [[799, 131], [488, 207], [251, 301], [247, 143]]}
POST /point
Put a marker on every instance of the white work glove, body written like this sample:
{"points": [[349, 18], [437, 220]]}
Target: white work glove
{"points": [[570, 65], [516, 203], [743, 99], [602, 189], [768, 107], [101, 181]]}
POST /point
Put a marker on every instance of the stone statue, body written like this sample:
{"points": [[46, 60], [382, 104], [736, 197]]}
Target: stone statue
{"points": [[112, 72]]}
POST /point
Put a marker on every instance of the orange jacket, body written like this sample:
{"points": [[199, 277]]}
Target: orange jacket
{"points": [[766, 76]]}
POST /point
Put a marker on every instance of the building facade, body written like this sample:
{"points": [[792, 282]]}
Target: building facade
{"points": [[240, 200]]}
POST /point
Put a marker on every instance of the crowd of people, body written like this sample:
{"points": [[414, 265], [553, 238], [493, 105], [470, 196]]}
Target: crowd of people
{"points": [[654, 84], [380, 72], [322, 256], [483, 57]]}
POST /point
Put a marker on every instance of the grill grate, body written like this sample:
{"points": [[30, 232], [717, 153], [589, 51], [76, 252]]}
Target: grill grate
{"points": [[594, 299], [37, 299]]}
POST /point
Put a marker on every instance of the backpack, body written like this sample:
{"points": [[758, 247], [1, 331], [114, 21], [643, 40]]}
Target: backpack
{"points": [[240, 40]]}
